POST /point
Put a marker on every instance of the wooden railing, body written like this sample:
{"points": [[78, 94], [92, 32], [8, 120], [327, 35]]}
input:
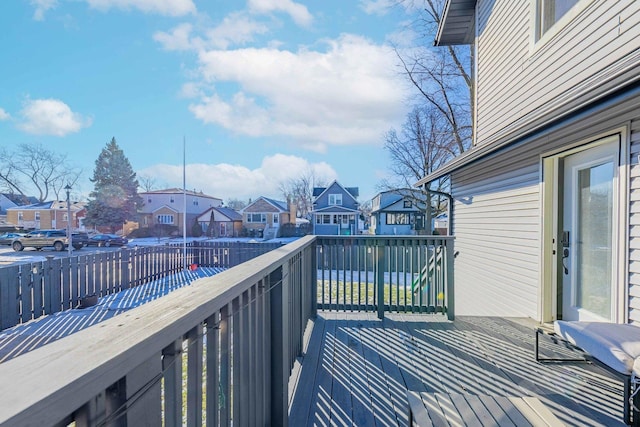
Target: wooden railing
{"points": [[222, 350], [386, 273], [229, 342], [31, 290]]}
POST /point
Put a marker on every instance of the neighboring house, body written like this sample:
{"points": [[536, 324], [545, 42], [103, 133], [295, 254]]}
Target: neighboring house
{"points": [[265, 216], [168, 207], [45, 215], [221, 222], [9, 200], [547, 202], [398, 212], [335, 210]]}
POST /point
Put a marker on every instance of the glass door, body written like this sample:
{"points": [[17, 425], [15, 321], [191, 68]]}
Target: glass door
{"points": [[588, 237]]}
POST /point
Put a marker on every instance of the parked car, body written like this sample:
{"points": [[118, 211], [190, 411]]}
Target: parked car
{"points": [[8, 238], [79, 239], [43, 238], [107, 240]]}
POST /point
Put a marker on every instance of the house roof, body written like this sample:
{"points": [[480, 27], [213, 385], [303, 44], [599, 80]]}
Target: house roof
{"points": [[391, 197], [178, 191], [457, 23], [231, 214], [278, 204], [20, 199], [51, 205], [353, 191]]}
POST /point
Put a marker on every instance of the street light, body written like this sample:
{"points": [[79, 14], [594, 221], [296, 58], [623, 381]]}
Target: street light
{"points": [[69, 243]]}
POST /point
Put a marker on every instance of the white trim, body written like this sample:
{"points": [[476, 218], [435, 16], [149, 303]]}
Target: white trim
{"points": [[549, 226], [536, 44]]}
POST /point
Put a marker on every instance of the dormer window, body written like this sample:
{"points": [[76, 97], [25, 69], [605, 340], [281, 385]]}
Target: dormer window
{"points": [[335, 199], [407, 204]]}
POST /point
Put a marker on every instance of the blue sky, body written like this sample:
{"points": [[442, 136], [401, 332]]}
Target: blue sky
{"points": [[262, 90]]}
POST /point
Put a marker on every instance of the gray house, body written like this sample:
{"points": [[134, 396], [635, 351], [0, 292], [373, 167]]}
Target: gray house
{"points": [[398, 212], [546, 210], [335, 210]]}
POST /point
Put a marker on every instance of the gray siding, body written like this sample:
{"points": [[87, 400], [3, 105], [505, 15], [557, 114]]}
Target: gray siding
{"points": [[497, 221], [519, 83], [497, 224]]}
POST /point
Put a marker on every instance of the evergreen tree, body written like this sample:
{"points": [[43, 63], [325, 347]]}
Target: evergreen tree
{"points": [[115, 198]]}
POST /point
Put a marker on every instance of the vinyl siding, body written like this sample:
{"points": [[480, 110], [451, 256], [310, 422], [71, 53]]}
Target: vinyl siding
{"points": [[519, 83], [497, 223]]}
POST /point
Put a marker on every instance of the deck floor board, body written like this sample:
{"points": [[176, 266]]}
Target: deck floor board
{"points": [[365, 366]]}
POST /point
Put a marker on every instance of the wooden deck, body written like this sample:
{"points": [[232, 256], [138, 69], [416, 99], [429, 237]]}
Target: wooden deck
{"points": [[357, 369]]}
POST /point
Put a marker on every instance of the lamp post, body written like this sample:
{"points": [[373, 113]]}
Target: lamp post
{"points": [[69, 243]]}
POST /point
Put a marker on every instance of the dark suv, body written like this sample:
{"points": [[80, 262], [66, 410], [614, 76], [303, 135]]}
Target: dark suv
{"points": [[44, 238]]}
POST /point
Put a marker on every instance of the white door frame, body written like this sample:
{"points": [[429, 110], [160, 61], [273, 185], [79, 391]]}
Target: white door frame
{"points": [[551, 195]]}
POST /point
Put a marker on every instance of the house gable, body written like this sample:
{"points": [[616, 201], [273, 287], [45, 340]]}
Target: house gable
{"points": [[335, 190]]}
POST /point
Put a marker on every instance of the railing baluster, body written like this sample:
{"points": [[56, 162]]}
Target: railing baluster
{"points": [[194, 377], [212, 403], [172, 368]]}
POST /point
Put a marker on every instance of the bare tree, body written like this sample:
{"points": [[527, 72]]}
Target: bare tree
{"points": [[421, 147], [32, 167], [236, 204], [300, 191], [147, 183], [440, 125], [9, 181], [442, 76]]}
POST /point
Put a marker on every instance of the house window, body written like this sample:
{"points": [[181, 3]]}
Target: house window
{"points": [[65, 217], [256, 217], [172, 199], [146, 221], [407, 204], [397, 219], [195, 203], [549, 12], [335, 199], [326, 219], [275, 218], [20, 216], [164, 219], [37, 216]]}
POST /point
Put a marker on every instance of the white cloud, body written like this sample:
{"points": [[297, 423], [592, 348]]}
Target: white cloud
{"points": [[298, 12], [235, 29], [4, 115], [41, 6], [239, 182], [377, 7], [177, 39], [348, 94], [162, 7], [50, 117]]}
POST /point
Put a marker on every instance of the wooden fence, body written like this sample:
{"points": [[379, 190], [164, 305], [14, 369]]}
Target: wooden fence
{"points": [[28, 291]]}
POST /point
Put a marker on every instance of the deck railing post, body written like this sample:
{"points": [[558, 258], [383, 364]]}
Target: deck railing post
{"points": [[279, 337], [380, 269], [314, 279], [450, 294]]}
